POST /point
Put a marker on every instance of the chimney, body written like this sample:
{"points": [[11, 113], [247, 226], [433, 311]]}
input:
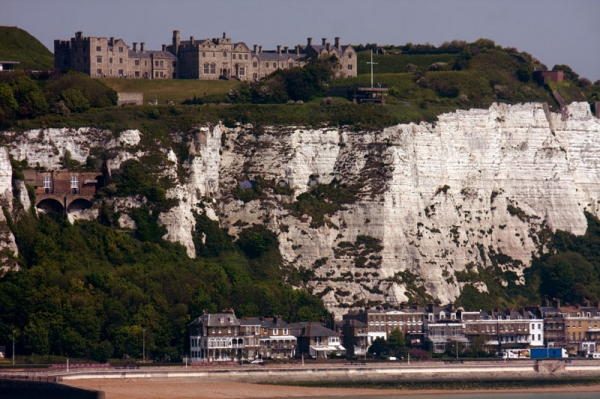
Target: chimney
{"points": [[279, 49], [337, 42], [134, 46], [255, 48], [274, 319], [328, 46], [323, 41], [545, 302], [451, 306], [309, 41], [298, 50], [260, 49], [415, 306], [286, 49], [112, 40], [78, 34], [164, 47], [430, 307], [224, 35], [556, 303], [192, 40], [142, 47]]}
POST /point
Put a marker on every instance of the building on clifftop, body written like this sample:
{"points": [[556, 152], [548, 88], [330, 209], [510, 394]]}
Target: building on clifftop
{"points": [[209, 59]]}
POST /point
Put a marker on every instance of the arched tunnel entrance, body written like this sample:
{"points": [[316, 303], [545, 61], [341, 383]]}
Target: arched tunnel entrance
{"points": [[79, 204], [49, 205]]}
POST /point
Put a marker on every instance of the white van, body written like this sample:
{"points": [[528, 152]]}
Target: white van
{"points": [[594, 355]]}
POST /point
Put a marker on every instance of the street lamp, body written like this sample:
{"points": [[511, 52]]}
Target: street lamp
{"points": [[143, 345], [13, 348]]}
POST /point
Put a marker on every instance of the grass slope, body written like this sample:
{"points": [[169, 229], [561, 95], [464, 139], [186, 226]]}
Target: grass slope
{"points": [[18, 45], [176, 90]]}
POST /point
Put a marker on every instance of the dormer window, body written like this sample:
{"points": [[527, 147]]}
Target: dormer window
{"points": [[275, 331], [453, 316], [430, 316], [442, 316]]}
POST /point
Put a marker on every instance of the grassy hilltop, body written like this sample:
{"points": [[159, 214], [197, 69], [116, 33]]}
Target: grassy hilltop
{"points": [[18, 45]]}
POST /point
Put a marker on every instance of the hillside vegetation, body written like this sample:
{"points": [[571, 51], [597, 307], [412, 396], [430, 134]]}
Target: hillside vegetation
{"points": [[176, 90], [18, 45]]}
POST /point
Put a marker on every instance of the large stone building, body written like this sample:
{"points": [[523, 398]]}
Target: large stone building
{"points": [[192, 59]]}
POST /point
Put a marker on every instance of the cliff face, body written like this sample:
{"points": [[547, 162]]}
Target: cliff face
{"points": [[477, 188]]}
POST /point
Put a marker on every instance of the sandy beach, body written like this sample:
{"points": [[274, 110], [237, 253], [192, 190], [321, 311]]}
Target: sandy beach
{"points": [[187, 388]]}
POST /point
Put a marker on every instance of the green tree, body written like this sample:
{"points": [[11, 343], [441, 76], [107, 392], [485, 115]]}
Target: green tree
{"points": [[29, 96], [75, 100], [8, 103], [378, 347], [396, 340], [525, 72]]}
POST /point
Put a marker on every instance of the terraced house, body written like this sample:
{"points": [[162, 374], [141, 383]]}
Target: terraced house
{"points": [[210, 59]]}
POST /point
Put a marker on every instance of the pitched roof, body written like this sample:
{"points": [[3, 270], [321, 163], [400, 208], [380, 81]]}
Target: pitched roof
{"points": [[217, 320], [149, 53], [265, 322]]}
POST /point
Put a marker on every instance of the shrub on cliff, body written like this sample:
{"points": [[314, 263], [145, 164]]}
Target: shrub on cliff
{"points": [[96, 93], [29, 96]]}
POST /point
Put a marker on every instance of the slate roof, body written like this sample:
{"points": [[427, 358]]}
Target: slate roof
{"points": [[264, 56], [308, 329], [265, 322], [148, 54], [217, 320]]}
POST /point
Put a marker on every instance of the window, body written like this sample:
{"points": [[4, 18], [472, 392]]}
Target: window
{"points": [[349, 56], [255, 76], [214, 55], [99, 59], [349, 67], [245, 56], [267, 65], [120, 60], [84, 59], [206, 68], [224, 53], [229, 330], [233, 56], [285, 331], [99, 71], [242, 71], [137, 62], [275, 331], [137, 74], [203, 54], [98, 48], [255, 64], [47, 184], [162, 63], [213, 69], [120, 49], [291, 65], [74, 184], [156, 74], [155, 63]]}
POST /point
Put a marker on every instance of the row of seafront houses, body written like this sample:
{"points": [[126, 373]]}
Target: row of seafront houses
{"points": [[224, 337]]}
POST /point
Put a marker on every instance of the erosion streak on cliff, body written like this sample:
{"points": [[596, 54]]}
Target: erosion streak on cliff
{"points": [[477, 188]]}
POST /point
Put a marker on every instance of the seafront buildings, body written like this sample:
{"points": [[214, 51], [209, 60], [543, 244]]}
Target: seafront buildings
{"points": [[224, 337]]}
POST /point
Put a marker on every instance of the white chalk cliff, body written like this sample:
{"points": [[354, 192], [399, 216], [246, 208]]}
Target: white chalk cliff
{"points": [[440, 197]]}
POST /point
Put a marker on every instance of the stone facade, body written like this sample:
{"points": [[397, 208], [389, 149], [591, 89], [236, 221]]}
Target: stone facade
{"points": [[208, 59], [103, 57]]}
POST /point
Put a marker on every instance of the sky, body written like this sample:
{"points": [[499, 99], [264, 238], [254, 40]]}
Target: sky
{"points": [[553, 31]]}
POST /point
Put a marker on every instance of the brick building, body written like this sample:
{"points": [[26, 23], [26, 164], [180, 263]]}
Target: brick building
{"points": [[208, 59]]}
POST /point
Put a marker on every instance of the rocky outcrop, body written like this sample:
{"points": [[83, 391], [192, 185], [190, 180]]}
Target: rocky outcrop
{"points": [[429, 201]]}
